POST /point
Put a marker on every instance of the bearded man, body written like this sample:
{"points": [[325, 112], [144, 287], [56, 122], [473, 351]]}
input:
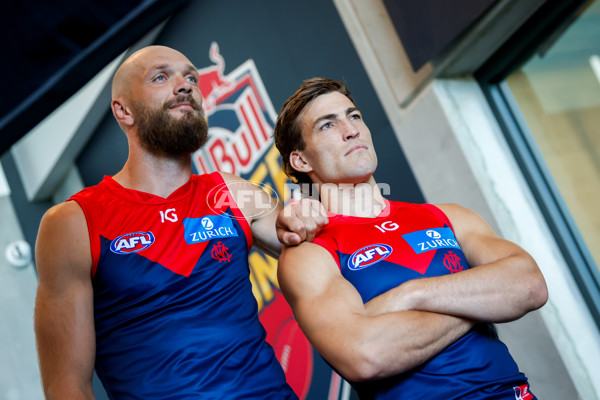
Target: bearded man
{"points": [[127, 284]]}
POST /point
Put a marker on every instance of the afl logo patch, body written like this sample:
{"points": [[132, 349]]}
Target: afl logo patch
{"points": [[368, 256], [132, 242]]}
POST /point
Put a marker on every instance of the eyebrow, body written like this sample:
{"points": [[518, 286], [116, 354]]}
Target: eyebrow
{"points": [[167, 67], [348, 111]]}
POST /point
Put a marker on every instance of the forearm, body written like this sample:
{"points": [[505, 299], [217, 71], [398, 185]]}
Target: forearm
{"points": [[65, 343], [501, 291], [63, 376], [393, 343], [332, 315], [65, 390]]}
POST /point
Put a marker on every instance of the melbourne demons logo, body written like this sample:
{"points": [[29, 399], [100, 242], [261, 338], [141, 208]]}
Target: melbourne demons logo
{"points": [[368, 256], [220, 252], [240, 115], [452, 262], [132, 242]]}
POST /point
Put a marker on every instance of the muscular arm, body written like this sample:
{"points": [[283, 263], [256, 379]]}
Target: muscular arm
{"points": [[64, 324], [503, 284], [271, 224], [331, 313]]}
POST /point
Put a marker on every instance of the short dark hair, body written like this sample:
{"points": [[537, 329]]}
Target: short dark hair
{"points": [[288, 132]]}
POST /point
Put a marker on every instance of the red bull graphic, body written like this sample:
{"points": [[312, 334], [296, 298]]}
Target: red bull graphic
{"points": [[241, 118]]}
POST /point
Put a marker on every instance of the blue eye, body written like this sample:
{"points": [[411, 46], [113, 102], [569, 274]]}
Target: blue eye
{"points": [[326, 125], [192, 79], [160, 78]]}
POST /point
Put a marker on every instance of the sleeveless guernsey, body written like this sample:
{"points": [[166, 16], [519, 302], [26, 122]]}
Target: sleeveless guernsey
{"points": [[411, 241], [174, 313]]}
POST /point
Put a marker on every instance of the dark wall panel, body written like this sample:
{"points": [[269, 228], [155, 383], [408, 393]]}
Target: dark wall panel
{"points": [[427, 27]]}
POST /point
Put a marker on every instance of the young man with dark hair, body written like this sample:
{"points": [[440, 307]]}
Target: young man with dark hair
{"points": [[397, 297]]}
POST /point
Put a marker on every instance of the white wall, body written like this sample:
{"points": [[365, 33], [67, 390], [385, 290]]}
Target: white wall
{"points": [[19, 373]]}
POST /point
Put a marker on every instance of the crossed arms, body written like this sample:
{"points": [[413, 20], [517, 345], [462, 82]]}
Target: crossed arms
{"points": [[411, 323]]}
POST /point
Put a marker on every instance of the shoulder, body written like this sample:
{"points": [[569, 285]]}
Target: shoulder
{"points": [[63, 241], [93, 190], [458, 213], [306, 257], [298, 254], [305, 268], [250, 198], [231, 178], [68, 215], [236, 184], [464, 220]]}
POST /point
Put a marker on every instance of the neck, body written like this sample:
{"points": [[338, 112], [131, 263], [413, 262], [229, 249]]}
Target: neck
{"points": [[355, 200], [159, 175]]}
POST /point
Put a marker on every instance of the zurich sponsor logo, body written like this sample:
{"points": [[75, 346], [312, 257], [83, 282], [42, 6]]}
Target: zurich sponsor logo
{"points": [[132, 242], [431, 239], [433, 234], [368, 256], [207, 223], [208, 227]]}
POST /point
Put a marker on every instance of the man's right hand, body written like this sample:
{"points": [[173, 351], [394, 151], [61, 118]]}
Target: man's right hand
{"points": [[300, 221]]}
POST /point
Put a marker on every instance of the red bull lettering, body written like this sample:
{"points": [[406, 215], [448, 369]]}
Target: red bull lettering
{"points": [[240, 117]]}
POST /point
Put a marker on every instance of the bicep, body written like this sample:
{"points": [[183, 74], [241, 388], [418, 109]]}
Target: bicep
{"points": [[325, 304], [64, 323], [259, 209], [477, 239]]}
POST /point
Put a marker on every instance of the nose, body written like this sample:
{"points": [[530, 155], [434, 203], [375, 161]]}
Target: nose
{"points": [[183, 86], [350, 131], [352, 135]]}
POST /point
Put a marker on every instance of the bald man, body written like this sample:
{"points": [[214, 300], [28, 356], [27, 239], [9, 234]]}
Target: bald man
{"points": [[144, 276]]}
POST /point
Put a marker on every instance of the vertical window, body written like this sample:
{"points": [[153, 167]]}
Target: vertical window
{"points": [[549, 104]]}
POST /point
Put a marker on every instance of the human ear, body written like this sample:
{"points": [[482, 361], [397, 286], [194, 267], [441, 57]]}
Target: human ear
{"points": [[299, 162], [121, 112]]}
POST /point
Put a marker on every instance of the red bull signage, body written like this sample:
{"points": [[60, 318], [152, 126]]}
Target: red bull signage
{"points": [[241, 119]]}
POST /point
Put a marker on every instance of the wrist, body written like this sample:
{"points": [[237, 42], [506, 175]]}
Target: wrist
{"points": [[412, 295]]}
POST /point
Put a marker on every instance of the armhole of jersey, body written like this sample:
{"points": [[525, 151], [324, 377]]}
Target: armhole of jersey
{"points": [[92, 236], [439, 213], [235, 210], [323, 244]]}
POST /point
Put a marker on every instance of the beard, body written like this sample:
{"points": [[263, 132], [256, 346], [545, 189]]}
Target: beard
{"points": [[160, 132]]}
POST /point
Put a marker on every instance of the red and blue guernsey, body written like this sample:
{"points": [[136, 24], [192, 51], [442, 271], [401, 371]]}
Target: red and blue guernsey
{"points": [[410, 241], [174, 313]]}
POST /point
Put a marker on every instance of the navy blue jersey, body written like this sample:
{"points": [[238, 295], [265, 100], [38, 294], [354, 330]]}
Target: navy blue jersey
{"points": [[410, 241], [174, 313]]}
